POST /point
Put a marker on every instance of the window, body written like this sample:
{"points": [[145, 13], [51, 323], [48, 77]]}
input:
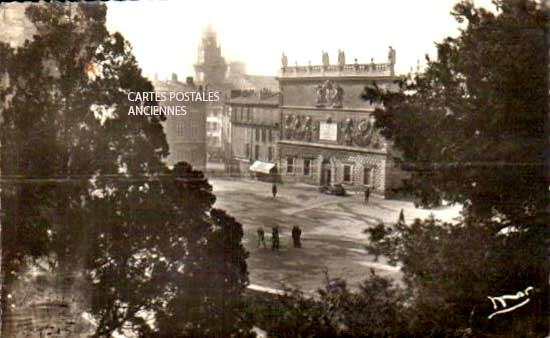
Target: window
{"points": [[269, 154], [247, 146], [270, 135], [307, 166], [257, 131], [347, 173], [263, 135], [180, 128], [248, 115], [366, 176], [290, 165], [256, 152]]}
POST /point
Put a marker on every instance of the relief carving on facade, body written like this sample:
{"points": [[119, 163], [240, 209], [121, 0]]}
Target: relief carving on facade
{"points": [[365, 135], [288, 127], [354, 133], [308, 129], [347, 132], [300, 128], [298, 132], [329, 95], [321, 96]]}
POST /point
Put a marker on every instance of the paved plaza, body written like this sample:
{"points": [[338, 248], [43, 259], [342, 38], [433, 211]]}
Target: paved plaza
{"points": [[332, 231]]}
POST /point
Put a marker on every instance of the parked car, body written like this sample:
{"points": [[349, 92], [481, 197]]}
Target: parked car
{"points": [[336, 189]]}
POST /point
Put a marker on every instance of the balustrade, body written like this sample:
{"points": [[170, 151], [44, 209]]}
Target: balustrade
{"points": [[357, 69]]}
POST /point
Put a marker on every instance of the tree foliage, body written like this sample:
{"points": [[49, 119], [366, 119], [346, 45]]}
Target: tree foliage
{"points": [[452, 268], [84, 183], [376, 310], [472, 130]]}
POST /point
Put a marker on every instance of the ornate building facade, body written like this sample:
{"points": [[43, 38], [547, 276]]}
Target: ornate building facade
{"points": [[327, 130]]}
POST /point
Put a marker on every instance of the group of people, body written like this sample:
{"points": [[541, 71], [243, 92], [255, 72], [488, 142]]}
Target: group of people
{"points": [[296, 231], [275, 240]]}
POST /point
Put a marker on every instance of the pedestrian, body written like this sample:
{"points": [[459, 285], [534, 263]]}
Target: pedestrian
{"points": [[295, 236], [367, 195], [275, 238], [261, 237], [401, 217], [297, 241], [274, 190]]}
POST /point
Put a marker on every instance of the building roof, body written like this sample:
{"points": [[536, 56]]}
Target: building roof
{"points": [[256, 98], [245, 81]]}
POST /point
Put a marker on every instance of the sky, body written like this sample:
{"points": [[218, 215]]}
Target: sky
{"points": [[165, 34]]}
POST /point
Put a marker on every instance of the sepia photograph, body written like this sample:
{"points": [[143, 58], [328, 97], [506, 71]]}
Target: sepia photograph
{"points": [[285, 169]]}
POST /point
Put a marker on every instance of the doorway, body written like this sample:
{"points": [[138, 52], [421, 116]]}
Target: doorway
{"points": [[326, 177]]}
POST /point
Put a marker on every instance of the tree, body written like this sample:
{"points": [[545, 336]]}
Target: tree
{"points": [[377, 310], [472, 130], [84, 183], [452, 268], [207, 301]]}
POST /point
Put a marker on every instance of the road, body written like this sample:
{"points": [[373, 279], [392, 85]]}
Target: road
{"points": [[332, 231]]}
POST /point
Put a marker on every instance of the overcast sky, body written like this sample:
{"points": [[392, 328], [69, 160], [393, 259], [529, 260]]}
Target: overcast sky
{"points": [[165, 33]]}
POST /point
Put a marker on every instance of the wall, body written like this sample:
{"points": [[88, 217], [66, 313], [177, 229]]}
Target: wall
{"points": [[240, 136], [337, 159]]}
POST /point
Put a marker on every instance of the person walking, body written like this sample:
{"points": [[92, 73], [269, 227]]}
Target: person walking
{"points": [[275, 238], [261, 237], [367, 195], [274, 190], [401, 217], [296, 236]]}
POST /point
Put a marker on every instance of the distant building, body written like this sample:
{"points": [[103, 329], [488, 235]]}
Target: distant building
{"points": [[211, 67], [215, 74], [327, 131], [185, 134], [214, 137], [255, 130]]}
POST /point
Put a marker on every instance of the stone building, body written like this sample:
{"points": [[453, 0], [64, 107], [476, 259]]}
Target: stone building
{"points": [[185, 134], [327, 132], [215, 74], [255, 130], [213, 130]]}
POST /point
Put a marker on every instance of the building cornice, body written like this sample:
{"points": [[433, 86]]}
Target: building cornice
{"points": [[333, 147], [251, 124], [358, 78], [329, 109]]}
